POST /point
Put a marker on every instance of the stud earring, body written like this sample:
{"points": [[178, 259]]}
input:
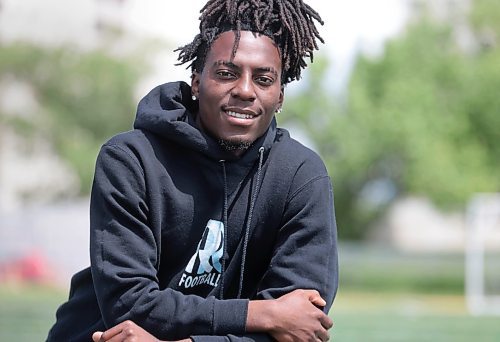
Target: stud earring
{"points": [[193, 97], [278, 110]]}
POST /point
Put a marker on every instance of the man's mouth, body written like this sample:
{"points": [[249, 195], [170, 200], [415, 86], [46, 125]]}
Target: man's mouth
{"points": [[239, 115]]}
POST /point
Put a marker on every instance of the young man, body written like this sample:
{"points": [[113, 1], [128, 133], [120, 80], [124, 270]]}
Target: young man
{"points": [[207, 221]]}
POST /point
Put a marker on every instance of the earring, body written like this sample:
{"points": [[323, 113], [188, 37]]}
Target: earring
{"points": [[193, 97], [278, 110]]}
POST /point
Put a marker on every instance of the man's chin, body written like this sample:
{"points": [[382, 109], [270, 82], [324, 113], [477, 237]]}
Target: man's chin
{"points": [[234, 145]]}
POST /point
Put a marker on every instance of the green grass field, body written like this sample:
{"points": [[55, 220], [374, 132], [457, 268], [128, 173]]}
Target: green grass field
{"points": [[384, 296], [27, 312], [405, 317]]}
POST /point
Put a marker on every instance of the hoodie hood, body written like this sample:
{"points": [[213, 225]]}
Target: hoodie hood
{"points": [[169, 111]]}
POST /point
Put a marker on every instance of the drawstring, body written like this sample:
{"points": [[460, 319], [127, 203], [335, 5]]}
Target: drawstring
{"points": [[249, 220], [247, 226], [223, 269]]}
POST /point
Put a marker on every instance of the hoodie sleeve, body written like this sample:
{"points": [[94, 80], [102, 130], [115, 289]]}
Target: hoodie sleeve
{"points": [[125, 260], [305, 255], [234, 338]]}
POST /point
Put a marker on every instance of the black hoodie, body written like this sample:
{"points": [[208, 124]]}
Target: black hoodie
{"points": [[183, 234]]}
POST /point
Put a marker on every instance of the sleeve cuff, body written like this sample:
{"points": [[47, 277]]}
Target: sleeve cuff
{"points": [[202, 338], [230, 316]]}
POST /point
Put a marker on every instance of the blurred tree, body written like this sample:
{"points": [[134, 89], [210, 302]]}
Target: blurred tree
{"points": [[421, 120], [485, 17], [83, 98]]}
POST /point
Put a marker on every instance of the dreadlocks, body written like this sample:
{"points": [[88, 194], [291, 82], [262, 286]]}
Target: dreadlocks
{"points": [[289, 23]]}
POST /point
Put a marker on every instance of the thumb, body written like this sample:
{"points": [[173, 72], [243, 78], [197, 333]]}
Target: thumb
{"points": [[315, 298], [96, 337]]}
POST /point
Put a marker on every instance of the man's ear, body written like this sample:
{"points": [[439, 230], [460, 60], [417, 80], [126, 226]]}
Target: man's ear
{"points": [[195, 84], [281, 98]]}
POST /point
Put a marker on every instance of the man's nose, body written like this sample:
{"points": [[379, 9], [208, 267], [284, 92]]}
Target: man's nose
{"points": [[244, 88]]}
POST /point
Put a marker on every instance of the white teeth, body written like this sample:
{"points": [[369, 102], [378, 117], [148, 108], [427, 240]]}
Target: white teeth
{"points": [[239, 115]]}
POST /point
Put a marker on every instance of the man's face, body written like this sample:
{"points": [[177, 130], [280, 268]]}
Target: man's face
{"points": [[238, 98]]}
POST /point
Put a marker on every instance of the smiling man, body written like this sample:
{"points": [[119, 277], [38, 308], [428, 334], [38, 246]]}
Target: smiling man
{"points": [[241, 94], [207, 221]]}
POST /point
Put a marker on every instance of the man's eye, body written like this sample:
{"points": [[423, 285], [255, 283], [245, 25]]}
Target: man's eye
{"points": [[264, 80], [225, 74]]}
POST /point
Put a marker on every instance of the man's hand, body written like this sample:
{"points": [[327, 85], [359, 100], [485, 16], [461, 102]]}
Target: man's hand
{"points": [[126, 331], [292, 317]]}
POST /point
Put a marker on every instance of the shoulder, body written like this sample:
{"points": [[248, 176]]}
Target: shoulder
{"points": [[127, 139], [136, 143], [127, 148], [291, 153]]}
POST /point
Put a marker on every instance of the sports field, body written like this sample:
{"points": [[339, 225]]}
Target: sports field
{"points": [[383, 296], [27, 312], [409, 317]]}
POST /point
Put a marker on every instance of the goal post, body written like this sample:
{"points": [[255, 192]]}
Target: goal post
{"points": [[482, 255]]}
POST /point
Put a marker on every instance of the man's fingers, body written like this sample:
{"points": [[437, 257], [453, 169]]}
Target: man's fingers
{"points": [[318, 301], [323, 335], [96, 337], [315, 298], [110, 333], [326, 322]]}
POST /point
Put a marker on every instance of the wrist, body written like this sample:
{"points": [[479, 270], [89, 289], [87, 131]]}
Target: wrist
{"points": [[260, 316]]}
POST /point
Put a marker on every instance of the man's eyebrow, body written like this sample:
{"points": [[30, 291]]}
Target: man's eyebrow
{"points": [[268, 69], [231, 65], [226, 63]]}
